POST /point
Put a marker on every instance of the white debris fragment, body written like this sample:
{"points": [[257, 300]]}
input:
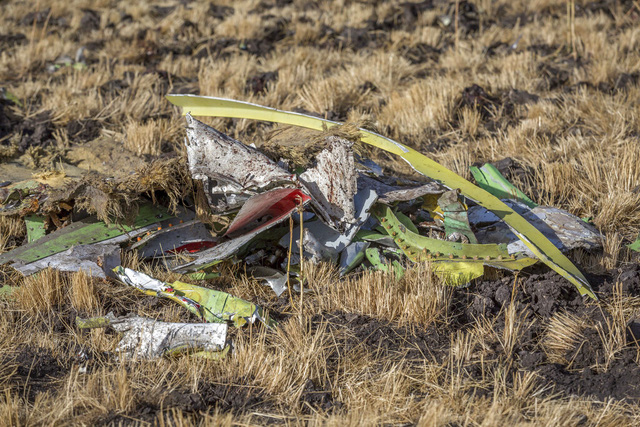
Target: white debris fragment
{"points": [[149, 339], [228, 167], [332, 183]]}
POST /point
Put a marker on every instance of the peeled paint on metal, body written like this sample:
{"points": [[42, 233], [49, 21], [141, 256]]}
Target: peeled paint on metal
{"points": [[35, 227], [389, 194], [145, 338], [87, 232], [533, 239], [456, 223], [279, 202], [265, 209], [332, 182], [237, 167]]}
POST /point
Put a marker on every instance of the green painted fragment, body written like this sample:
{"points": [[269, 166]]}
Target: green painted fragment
{"points": [[201, 275], [5, 94], [35, 227], [421, 248], [380, 262], [213, 355], [406, 221], [93, 322], [204, 354], [84, 232], [490, 179], [208, 304], [455, 216], [374, 236], [635, 246]]}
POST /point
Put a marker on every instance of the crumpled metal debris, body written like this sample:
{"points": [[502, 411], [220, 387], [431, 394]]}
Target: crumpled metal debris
{"points": [[87, 244], [344, 208], [332, 183], [563, 229], [145, 338], [96, 260], [533, 238], [230, 170], [208, 304]]}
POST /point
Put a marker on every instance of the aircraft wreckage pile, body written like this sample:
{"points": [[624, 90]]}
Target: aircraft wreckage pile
{"points": [[340, 209]]}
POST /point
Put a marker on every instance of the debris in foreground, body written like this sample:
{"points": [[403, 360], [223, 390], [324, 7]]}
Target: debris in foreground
{"points": [[149, 339], [208, 304]]}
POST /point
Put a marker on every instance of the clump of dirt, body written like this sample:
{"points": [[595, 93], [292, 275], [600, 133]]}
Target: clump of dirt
{"points": [[476, 98], [257, 84], [83, 130], [537, 299], [37, 132]]}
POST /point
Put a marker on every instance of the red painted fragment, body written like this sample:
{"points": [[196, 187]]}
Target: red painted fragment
{"points": [[265, 209], [192, 247]]}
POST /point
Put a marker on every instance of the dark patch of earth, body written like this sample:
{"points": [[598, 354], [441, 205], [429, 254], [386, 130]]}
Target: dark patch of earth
{"points": [[36, 370], [36, 131], [222, 396], [540, 296]]}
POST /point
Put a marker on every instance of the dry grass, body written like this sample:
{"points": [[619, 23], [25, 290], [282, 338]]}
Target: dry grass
{"points": [[577, 142]]}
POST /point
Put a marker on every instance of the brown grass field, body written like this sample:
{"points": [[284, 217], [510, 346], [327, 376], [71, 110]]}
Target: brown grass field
{"points": [[558, 108]]}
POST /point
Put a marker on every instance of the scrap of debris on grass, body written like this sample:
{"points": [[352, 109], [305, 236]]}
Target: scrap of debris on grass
{"points": [[340, 209]]}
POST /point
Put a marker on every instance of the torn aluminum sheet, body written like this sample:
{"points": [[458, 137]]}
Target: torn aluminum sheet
{"points": [[87, 231], [533, 238], [96, 260], [228, 167], [263, 211], [332, 183], [490, 179], [145, 338], [393, 193], [271, 277], [456, 223], [191, 236], [352, 256], [208, 304], [329, 237], [315, 251], [563, 229]]}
